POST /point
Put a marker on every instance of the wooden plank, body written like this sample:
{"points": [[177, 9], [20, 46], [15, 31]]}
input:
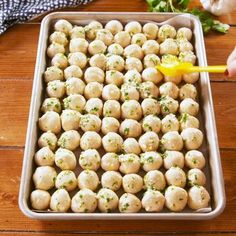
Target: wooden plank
{"points": [[12, 219], [15, 99], [22, 52]]}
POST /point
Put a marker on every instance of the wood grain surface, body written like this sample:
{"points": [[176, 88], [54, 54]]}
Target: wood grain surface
{"points": [[18, 47]]}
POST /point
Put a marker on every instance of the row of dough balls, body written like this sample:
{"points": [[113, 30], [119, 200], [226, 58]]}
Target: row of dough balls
{"points": [[190, 138], [131, 90], [125, 163], [86, 201], [130, 109]]}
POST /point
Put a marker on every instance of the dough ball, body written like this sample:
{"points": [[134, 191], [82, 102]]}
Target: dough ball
{"points": [[90, 159], [94, 74], [91, 29], [153, 201], [175, 176], [55, 48], [90, 140], [133, 63], [174, 79], [97, 47], [115, 62], [60, 60], [77, 58], [123, 38], [169, 46], [184, 45], [116, 49], [111, 92], [44, 177], [65, 159], [149, 141], [74, 86], [53, 73], [107, 200], [114, 77], [191, 77], [155, 180], [168, 105], [169, 123], [110, 162], [40, 199], [192, 137], [50, 121], [55, 89], [188, 91], [131, 109], [132, 183], [133, 50], [51, 104], [198, 197], [70, 119], [129, 203], [93, 90], [130, 128], [112, 142], [129, 163], [77, 32], [111, 180], [129, 92], [138, 39], [98, 60], [133, 27], [184, 32], [84, 200], [166, 31], [69, 139], [58, 37], [63, 26], [48, 139], [151, 123], [78, 45], [60, 201], [196, 177], [88, 179], [90, 122], [132, 77], [131, 145], [111, 108], [94, 106], [150, 30], [151, 60], [66, 179], [152, 74], [74, 102], [150, 106], [173, 159], [189, 106], [44, 157], [188, 56], [151, 161], [110, 124], [105, 36], [150, 47], [195, 159], [172, 141], [169, 89], [114, 26], [73, 71], [148, 90], [176, 198], [188, 121]]}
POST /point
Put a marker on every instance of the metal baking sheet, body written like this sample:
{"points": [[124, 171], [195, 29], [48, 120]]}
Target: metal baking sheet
{"points": [[210, 149]]}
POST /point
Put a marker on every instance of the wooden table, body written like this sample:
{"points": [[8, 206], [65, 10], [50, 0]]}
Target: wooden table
{"points": [[18, 48]]}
